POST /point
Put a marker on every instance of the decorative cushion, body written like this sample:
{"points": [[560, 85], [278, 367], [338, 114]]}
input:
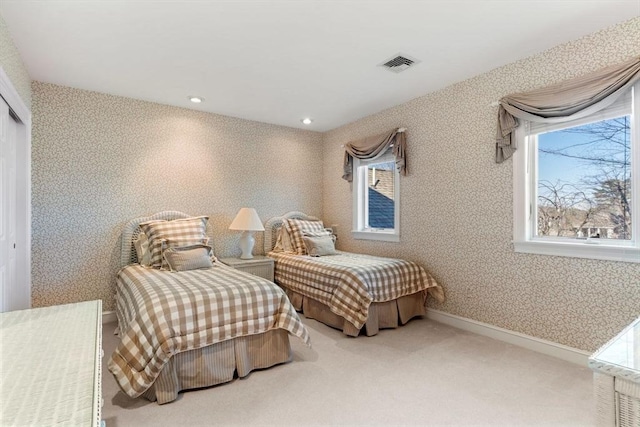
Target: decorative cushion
{"points": [[286, 241], [296, 228], [179, 243], [179, 232], [278, 246], [183, 258], [142, 250], [283, 242], [319, 243], [285, 231]]}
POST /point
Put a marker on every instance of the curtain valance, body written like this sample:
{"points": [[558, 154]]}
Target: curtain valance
{"points": [[568, 100], [373, 147]]}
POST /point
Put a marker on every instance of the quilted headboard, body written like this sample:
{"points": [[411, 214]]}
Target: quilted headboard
{"points": [[131, 231], [272, 227]]}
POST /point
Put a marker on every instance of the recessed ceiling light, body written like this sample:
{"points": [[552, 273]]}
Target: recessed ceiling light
{"points": [[196, 99], [307, 121]]}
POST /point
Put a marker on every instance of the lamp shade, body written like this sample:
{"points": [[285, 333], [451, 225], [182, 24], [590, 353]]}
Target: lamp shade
{"points": [[247, 219]]}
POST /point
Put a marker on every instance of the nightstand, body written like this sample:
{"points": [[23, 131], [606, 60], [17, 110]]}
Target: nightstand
{"points": [[258, 265]]}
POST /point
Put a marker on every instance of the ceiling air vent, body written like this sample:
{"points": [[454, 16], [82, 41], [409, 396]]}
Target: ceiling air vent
{"points": [[399, 62]]}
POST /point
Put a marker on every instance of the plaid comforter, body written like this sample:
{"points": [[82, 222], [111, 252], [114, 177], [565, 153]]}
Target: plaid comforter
{"points": [[162, 313], [348, 283]]}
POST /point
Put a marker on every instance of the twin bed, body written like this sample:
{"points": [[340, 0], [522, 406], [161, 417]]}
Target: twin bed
{"points": [[355, 293], [186, 326], [194, 328]]}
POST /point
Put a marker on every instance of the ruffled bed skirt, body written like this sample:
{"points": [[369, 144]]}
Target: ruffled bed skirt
{"points": [[382, 315]]}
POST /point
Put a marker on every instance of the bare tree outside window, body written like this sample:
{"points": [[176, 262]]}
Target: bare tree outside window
{"points": [[584, 181]]}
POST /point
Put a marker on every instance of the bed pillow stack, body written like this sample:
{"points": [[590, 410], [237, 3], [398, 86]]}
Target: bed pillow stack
{"points": [[163, 235], [320, 241]]}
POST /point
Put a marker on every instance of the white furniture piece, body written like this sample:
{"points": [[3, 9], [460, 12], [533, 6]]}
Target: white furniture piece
{"points": [[51, 366], [259, 265], [616, 369]]}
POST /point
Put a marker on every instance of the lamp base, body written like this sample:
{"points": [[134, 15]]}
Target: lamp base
{"points": [[246, 244]]}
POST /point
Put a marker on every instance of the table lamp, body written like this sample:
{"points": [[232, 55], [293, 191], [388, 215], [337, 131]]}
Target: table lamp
{"points": [[247, 221]]}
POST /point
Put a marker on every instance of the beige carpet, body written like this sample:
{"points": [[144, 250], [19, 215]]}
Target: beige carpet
{"points": [[424, 373]]}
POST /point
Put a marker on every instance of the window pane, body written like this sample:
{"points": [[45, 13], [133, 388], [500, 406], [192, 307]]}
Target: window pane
{"points": [[380, 212], [584, 181]]}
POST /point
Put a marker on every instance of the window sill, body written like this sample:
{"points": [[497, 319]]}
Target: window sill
{"points": [[384, 236], [592, 250]]}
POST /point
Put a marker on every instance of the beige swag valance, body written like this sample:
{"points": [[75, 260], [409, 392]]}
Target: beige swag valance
{"points": [[373, 147], [568, 100]]}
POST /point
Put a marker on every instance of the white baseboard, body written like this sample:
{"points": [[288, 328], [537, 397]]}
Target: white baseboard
{"points": [[108, 316], [549, 348]]}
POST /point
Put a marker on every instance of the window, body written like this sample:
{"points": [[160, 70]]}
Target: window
{"points": [[376, 190], [576, 185]]}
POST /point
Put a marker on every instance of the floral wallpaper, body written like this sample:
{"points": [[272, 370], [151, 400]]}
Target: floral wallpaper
{"points": [[456, 205], [12, 64], [101, 160]]}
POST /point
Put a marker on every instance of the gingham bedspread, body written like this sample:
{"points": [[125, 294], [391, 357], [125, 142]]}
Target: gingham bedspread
{"points": [[161, 313], [348, 283]]}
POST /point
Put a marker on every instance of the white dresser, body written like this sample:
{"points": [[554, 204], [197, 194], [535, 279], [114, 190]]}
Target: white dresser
{"points": [[616, 376], [51, 366]]}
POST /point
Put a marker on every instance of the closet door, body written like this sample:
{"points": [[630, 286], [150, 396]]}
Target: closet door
{"points": [[10, 295]]}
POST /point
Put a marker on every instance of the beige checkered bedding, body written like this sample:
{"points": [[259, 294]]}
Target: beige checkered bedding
{"points": [[348, 283], [162, 313]]}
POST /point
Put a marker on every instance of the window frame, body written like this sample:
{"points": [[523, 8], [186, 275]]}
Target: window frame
{"points": [[360, 196], [525, 160]]}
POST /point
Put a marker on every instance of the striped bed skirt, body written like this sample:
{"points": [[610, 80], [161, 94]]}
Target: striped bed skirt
{"points": [[219, 363]]}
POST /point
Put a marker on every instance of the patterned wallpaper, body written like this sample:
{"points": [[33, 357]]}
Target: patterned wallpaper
{"points": [[456, 205], [101, 160], [12, 64]]}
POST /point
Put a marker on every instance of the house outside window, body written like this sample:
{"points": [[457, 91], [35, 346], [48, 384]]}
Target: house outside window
{"points": [[576, 185], [376, 199]]}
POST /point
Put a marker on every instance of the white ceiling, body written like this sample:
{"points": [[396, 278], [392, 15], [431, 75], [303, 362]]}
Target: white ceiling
{"points": [[280, 61]]}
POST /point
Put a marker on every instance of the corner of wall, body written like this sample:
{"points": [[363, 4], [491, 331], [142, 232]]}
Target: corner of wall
{"points": [[12, 64]]}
